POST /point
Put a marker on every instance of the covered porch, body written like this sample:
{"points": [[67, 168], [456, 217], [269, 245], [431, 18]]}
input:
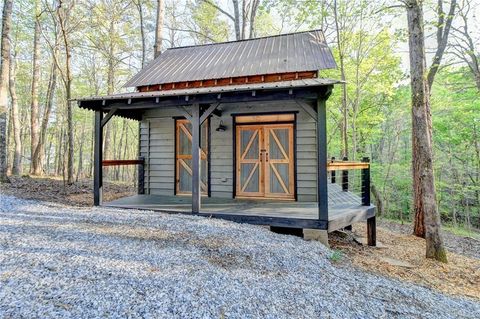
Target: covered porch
{"points": [[332, 205]]}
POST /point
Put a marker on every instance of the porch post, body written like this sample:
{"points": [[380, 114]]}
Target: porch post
{"points": [[97, 161], [322, 191], [196, 195]]}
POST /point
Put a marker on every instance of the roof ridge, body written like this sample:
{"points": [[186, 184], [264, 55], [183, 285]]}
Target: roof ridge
{"points": [[245, 40]]}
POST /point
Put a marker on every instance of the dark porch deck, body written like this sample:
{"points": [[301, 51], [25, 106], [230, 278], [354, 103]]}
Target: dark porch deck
{"points": [[344, 209]]}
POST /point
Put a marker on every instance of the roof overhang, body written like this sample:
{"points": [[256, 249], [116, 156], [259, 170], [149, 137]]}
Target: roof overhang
{"points": [[132, 105]]}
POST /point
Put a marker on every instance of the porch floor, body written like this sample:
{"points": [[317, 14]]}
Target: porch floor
{"points": [[344, 209]]}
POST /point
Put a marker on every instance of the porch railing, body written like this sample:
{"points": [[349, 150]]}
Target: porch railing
{"points": [[140, 173], [344, 166]]}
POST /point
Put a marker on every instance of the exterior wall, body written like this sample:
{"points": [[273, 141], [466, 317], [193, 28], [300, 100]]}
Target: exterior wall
{"points": [[157, 144]]}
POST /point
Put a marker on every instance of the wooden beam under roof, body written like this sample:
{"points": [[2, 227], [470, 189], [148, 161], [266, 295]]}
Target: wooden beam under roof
{"points": [[265, 78]]}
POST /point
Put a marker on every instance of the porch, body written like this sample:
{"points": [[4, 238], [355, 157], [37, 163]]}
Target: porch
{"points": [[344, 209]]}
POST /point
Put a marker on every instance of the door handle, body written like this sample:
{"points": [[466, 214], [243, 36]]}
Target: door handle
{"points": [[262, 151]]}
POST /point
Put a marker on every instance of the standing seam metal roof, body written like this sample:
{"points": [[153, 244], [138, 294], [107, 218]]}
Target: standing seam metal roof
{"points": [[295, 52]]}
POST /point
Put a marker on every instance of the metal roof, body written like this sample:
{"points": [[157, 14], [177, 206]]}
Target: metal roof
{"points": [[216, 89], [294, 52]]}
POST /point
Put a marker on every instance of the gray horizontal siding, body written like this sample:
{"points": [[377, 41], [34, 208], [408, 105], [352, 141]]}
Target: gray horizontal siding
{"points": [[157, 142], [157, 147]]}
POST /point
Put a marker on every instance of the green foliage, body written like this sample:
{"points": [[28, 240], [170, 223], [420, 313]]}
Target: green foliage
{"points": [[379, 119], [209, 27], [372, 71], [456, 124], [265, 24], [336, 256]]}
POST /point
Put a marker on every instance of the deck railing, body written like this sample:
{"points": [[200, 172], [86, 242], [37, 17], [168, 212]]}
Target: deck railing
{"points": [[344, 166], [140, 173]]}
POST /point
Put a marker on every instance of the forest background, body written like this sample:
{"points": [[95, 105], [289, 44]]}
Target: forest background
{"points": [[64, 49]]}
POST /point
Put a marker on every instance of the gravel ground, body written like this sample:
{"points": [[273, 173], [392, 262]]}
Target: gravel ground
{"points": [[67, 262]]}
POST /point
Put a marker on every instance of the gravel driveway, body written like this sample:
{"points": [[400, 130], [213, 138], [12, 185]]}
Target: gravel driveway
{"points": [[58, 261]]}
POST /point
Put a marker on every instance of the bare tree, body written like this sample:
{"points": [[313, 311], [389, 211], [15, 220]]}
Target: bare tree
{"points": [[4, 82], [35, 167], [444, 25], [159, 27], [443, 29], [17, 154], [464, 48], [63, 12], [236, 20], [422, 149], [139, 5], [244, 14], [253, 15], [39, 152]]}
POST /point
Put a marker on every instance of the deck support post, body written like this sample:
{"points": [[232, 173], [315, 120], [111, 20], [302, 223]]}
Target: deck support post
{"points": [[196, 194], [322, 175], [366, 183], [141, 176], [97, 161], [371, 222], [372, 231], [333, 174], [345, 177]]}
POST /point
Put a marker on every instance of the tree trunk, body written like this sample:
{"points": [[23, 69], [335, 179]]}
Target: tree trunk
{"points": [[120, 148], [70, 158], [110, 89], [59, 151], [80, 153], [253, 15], [39, 152], [108, 126], [4, 83], [92, 148], [125, 154], [63, 17], [236, 21], [444, 24], [244, 19], [111, 170], [17, 154], [378, 200], [427, 218], [35, 166], [344, 85], [476, 143], [49, 153], [8, 142], [157, 48], [139, 5]]}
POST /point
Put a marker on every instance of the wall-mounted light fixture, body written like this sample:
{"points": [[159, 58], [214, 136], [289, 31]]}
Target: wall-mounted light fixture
{"points": [[221, 127]]}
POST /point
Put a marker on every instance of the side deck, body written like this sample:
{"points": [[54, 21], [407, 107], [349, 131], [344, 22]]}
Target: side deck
{"points": [[344, 209]]}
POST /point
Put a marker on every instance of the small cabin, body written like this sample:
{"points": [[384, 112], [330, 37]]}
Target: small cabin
{"points": [[237, 130]]}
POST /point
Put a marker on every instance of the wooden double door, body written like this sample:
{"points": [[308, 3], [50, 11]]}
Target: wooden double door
{"points": [[265, 161]]}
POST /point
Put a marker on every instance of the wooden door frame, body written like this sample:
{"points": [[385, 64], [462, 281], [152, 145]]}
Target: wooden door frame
{"points": [[234, 146], [175, 159]]}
